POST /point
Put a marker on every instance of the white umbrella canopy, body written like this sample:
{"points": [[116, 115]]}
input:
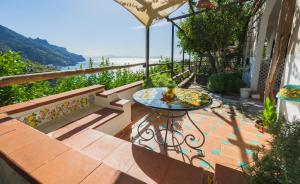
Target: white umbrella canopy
{"points": [[150, 11]]}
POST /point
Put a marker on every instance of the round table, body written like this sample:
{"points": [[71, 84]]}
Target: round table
{"points": [[178, 108]]}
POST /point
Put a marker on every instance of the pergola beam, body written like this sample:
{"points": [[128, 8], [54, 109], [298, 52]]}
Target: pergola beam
{"points": [[191, 6], [201, 11], [169, 20], [187, 15]]}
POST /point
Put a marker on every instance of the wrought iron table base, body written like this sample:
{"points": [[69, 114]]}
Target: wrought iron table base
{"points": [[175, 143]]}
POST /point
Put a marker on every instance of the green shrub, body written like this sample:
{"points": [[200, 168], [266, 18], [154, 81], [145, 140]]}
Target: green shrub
{"points": [[216, 83], [280, 164], [162, 80], [269, 114], [225, 82]]}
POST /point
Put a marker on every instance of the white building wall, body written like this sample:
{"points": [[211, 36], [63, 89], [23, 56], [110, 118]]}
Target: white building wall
{"points": [[291, 110], [264, 23]]}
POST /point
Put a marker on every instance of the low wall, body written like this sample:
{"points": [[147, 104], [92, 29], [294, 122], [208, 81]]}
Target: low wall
{"points": [[9, 175], [290, 110]]}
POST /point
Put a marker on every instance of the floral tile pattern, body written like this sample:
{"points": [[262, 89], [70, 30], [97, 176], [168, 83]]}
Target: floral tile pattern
{"points": [[52, 112]]}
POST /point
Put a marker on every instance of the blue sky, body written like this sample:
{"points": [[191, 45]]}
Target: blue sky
{"points": [[88, 27]]}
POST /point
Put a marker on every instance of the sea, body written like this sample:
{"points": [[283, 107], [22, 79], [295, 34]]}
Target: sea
{"points": [[113, 61]]}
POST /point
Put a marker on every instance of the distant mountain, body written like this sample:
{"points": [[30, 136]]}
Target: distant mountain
{"points": [[37, 50]]}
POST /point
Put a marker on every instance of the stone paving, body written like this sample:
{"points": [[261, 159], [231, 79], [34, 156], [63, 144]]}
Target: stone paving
{"points": [[227, 125]]}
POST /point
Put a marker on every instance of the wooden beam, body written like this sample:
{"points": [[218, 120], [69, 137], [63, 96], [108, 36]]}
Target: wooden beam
{"points": [[282, 38], [30, 78], [191, 6]]}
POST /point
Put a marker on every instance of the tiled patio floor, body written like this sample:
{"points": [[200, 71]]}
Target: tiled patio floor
{"points": [[230, 135]]}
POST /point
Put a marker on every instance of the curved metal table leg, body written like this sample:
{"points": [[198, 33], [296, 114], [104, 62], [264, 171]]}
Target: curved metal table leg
{"points": [[192, 138], [147, 131]]}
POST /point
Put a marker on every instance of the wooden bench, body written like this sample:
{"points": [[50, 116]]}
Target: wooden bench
{"points": [[183, 78]]}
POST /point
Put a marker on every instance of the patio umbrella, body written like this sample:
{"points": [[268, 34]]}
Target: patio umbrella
{"points": [[149, 12]]}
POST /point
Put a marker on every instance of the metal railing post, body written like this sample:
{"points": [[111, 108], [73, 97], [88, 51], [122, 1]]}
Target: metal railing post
{"points": [[172, 51], [147, 52], [182, 59]]}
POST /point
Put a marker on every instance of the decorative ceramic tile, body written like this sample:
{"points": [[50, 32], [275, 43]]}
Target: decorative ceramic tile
{"points": [[231, 135], [204, 164], [255, 143], [216, 152], [52, 112], [260, 135], [243, 164], [249, 152], [225, 142], [184, 151]]}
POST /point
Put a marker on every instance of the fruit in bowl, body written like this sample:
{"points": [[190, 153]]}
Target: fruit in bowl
{"points": [[170, 94]]}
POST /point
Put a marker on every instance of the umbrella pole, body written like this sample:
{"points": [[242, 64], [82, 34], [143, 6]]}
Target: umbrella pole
{"points": [[147, 51]]}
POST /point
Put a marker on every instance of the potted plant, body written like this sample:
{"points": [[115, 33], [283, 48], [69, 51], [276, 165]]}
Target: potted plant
{"points": [[268, 117]]}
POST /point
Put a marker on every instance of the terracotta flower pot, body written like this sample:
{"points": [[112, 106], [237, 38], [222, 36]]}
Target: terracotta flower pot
{"points": [[259, 125]]}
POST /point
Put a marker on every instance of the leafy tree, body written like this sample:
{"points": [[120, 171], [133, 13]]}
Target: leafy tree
{"points": [[212, 31]]}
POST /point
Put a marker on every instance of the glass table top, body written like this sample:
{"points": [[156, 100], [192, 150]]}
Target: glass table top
{"points": [[185, 100]]}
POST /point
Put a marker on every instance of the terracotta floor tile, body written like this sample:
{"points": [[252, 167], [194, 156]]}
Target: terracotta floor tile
{"points": [[14, 140], [69, 167], [226, 161], [183, 173], [231, 175], [11, 125], [4, 117], [102, 147], [34, 155], [82, 139], [123, 157], [62, 131], [151, 167], [107, 175], [221, 128]]}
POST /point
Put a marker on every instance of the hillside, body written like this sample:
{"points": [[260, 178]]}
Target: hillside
{"points": [[37, 50]]}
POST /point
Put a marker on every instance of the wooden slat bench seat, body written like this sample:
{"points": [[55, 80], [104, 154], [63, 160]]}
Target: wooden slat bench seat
{"points": [[182, 82], [186, 81]]}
